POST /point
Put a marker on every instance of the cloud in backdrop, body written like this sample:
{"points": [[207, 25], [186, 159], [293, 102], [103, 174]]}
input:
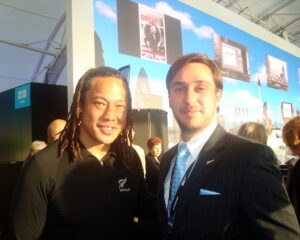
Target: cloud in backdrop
{"points": [[106, 11], [187, 23]]}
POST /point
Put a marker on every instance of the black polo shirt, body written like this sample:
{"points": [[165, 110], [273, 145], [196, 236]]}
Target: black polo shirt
{"points": [[59, 199]]}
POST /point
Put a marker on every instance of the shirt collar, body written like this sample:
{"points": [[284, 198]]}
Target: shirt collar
{"points": [[196, 144], [85, 153]]}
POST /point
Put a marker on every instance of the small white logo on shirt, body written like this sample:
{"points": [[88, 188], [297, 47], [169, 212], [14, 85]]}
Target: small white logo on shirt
{"points": [[122, 187]]}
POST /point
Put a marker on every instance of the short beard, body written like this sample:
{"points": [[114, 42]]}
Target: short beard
{"points": [[185, 128]]}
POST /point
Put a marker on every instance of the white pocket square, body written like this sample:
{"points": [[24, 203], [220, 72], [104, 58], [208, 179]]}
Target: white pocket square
{"points": [[208, 192]]}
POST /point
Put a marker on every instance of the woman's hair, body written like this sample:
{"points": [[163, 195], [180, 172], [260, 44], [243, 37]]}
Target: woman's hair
{"points": [[153, 141], [35, 147], [291, 133], [255, 131], [69, 137]]}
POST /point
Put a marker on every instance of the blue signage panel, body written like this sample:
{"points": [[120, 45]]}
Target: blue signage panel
{"points": [[22, 96]]}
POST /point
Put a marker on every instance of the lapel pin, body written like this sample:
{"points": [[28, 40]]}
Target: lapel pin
{"points": [[209, 161]]}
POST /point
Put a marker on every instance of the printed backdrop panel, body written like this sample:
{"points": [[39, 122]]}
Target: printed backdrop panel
{"points": [[149, 35]]}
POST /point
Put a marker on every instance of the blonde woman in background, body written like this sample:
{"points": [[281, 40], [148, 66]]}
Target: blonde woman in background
{"points": [[255, 131], [35, 147]]}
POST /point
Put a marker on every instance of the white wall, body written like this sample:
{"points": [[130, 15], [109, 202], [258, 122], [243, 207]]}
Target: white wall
{"points": [[80, 41]]}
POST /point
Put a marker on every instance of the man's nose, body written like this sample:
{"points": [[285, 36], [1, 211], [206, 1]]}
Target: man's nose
{"points": [[108, 114], [190, 95]]}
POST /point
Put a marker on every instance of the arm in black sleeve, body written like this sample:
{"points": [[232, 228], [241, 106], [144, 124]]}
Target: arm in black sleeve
{"points": [[152, 173], [29, 205], [146, 202], [146, 210], [264, 198]]}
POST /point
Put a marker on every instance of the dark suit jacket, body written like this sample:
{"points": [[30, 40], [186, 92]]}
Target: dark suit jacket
{"points": [[252, 203], [152, 173]]}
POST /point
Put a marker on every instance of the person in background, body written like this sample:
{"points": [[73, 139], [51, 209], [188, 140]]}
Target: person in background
{"points": [[254, 131], [152, 37], [291, 137], [154, 145], [54, 129], [35, 147], [213, 184], [89, 184]]}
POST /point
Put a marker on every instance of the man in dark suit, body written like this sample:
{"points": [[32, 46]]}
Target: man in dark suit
{"points": [[220, 186]]}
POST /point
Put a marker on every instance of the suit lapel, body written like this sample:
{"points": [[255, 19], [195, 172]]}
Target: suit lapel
{"points": [[207, 160]]}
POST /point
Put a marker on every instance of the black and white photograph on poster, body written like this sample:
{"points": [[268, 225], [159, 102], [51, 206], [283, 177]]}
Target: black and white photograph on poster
{"points": [[276, 73], [152, 34]]}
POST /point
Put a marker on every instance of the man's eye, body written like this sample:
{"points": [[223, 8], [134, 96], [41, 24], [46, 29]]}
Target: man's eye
{"points": [[178, 89], [100, 103], [120, 106], [198, 89]]}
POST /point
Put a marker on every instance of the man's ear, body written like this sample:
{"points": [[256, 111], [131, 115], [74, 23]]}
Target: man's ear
{"points": [[169, 101], [219, 93]]}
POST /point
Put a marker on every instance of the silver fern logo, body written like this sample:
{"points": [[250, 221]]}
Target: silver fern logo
{"points": [[122, 187]]}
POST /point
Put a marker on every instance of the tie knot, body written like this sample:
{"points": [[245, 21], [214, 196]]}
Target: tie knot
{"points": [[183, 150]]}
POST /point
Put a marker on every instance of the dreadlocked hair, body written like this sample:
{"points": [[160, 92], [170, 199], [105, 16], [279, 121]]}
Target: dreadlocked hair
{"points": [[69, 137], [123, 144]]}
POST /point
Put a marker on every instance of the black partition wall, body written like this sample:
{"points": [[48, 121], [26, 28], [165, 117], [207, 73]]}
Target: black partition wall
{"points": [[20, 125], [150, 123]]}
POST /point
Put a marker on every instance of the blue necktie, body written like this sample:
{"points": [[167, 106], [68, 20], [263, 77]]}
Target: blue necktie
{"points": [[178, 173]]}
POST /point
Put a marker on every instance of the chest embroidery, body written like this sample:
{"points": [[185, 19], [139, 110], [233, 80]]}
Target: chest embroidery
{"points": [[122, 185]]}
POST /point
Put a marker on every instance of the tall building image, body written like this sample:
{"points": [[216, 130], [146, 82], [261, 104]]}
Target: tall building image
{"points": [[143, 95]]}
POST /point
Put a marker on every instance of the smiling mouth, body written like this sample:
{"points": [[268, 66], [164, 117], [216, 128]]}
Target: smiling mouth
{"points": [[191, 112], [107, 130]]}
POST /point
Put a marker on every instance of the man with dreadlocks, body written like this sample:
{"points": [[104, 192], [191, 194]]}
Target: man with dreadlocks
{"points": [[89, 184]]}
